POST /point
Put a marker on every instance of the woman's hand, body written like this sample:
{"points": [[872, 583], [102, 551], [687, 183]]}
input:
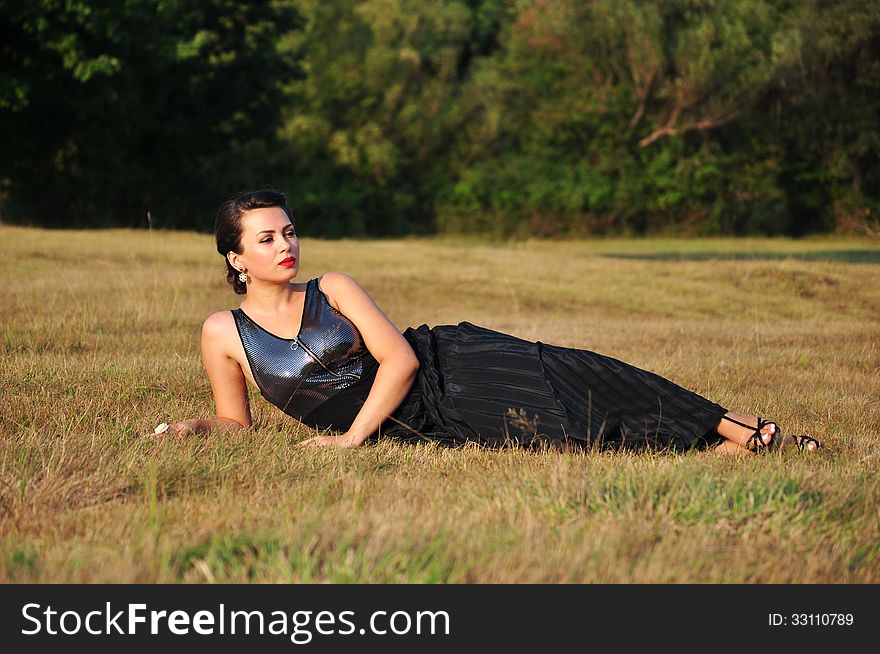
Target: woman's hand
{"points": [[181, 428], [197, 426], [344, 440]]}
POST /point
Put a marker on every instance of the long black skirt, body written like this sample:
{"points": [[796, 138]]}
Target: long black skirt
{"points": [[476, 384]]}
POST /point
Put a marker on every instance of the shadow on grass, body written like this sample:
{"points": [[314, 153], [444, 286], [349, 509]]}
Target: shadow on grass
{"points": [[840, 256]]}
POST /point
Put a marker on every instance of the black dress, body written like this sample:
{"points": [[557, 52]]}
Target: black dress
{"points": [[475, 384]]}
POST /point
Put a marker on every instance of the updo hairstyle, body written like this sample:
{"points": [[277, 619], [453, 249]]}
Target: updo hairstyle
{"points": [[227, 226]]}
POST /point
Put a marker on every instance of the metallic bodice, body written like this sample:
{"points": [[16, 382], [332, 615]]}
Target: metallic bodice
{"points": [[322, 376]]}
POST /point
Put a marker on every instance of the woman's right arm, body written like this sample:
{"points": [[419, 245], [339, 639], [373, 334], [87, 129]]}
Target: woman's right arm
{"points": [[227, 381]]}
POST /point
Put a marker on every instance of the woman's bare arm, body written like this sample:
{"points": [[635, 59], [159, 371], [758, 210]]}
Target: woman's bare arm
{"points": [[397, 361], [227, 381]]}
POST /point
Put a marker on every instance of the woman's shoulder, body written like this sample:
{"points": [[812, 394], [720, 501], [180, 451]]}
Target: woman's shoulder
{"points": [[338, 281], [337, 285], [335, 278], [219, 324]]}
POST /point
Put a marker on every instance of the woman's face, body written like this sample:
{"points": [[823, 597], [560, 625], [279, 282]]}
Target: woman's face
{"points": [[270, 248]]}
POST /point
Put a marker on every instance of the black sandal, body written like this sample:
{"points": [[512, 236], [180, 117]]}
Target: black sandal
{"points": [[756, 436], [803, 441]]}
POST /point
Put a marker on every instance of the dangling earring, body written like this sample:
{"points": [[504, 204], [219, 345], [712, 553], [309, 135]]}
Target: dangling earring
{"points": [[242, 277]]}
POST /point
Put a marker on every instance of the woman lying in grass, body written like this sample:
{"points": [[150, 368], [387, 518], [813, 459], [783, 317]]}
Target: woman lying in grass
{"points": [[324, 353]]}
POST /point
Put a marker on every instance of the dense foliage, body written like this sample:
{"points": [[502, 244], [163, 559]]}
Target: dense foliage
{"points": [[506, 117]]}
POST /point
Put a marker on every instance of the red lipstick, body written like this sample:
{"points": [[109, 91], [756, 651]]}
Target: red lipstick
{"points": [[288, 262]]}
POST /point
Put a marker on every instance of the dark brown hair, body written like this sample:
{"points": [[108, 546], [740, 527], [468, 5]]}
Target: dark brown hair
{"points": [[227, 226]]}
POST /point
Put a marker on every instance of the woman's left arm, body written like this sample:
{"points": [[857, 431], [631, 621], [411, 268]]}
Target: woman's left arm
{"points": [[397, 361]]}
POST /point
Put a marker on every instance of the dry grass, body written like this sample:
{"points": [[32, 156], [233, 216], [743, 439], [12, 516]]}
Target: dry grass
{"points": [[100, 343]]}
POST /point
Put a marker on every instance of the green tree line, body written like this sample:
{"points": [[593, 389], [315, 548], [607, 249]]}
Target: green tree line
{"points": [[499, 117]]}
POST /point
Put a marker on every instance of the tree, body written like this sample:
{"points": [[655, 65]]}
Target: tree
{"points": [[110, 110], [596, 114], [375, 119]]}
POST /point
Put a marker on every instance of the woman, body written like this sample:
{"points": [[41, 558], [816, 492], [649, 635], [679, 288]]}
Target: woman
{"points": [[324, 353]]}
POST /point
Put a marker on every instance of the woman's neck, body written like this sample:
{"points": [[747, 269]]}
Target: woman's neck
{"points": [[270, 299]]}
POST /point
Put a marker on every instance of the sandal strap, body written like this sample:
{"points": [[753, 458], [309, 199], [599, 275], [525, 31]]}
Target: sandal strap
{"points": [[803, 440], [757, 435], [761, 423], [741, 424]]}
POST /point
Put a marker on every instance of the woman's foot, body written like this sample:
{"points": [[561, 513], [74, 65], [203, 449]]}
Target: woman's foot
{"points": [[754, 433], [750, 432], [802, 442]]}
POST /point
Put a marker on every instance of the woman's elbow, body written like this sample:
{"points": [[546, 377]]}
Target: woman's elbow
{"points": [[412, 362], [406, 362], [403, 360]]}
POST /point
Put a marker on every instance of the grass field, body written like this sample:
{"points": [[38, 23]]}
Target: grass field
{"points": [[100, 343]]}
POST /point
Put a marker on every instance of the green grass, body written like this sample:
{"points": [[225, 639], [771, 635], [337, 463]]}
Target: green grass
{"points": [[99, 341]]}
